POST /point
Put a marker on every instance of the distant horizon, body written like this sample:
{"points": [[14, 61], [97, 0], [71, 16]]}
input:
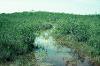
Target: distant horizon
{"points": [[82, 7], [48, 12]]}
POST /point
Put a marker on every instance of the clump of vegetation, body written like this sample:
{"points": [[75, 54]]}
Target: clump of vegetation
{"points": [[15, 41]]}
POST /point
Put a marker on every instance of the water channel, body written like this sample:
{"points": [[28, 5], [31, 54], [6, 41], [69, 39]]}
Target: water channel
{"points": [[50, 53]]}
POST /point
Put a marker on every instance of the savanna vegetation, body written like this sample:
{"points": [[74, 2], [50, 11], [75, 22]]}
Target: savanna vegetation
{"points": [[18, 31]]}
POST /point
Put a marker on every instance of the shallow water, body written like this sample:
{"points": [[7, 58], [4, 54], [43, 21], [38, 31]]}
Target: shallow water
{"points": [[50, 52]]}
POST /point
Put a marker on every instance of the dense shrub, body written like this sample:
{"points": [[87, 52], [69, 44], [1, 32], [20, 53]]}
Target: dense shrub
{"points": [[16, 43], [79, 31]]}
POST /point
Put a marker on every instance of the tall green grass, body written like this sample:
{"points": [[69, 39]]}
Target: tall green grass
{"points": [[18, 30]]}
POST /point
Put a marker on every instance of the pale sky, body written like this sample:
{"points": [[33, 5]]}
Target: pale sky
{"points": [[67, 6]]}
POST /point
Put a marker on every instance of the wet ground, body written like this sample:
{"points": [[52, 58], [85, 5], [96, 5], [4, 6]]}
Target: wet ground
{"points": [[50, 53]]}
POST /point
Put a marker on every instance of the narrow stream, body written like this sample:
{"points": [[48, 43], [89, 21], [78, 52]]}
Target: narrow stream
{"points": [[50, 53]]}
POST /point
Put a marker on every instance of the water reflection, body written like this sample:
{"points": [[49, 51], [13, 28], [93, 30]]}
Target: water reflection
{"points": [[50, 52]]}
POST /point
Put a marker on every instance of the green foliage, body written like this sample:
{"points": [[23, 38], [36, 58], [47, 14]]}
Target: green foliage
{"points": [[18, 30], [16, 42], [82, 29], [78, 30], [81, 32]]}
